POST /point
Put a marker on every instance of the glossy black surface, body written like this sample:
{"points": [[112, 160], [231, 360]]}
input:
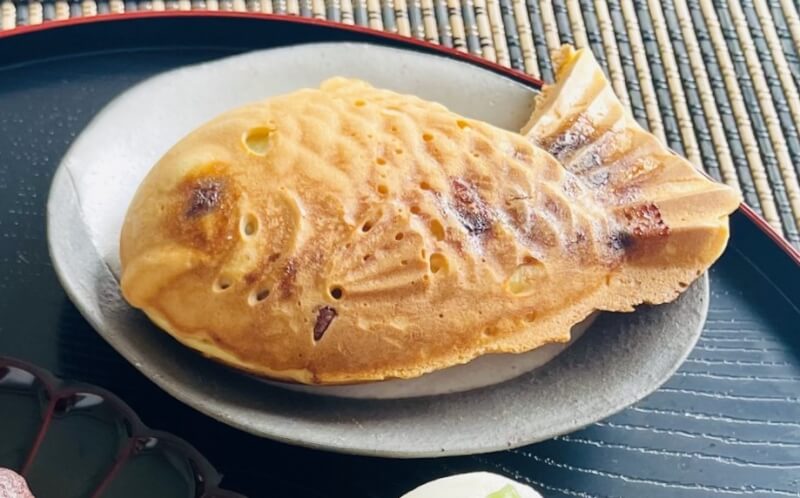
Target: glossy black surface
{"points": [[727, 424], [71, 439]]}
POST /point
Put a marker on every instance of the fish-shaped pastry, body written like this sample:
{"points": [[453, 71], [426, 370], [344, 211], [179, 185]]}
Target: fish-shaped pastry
{"points": [[349, 234]]}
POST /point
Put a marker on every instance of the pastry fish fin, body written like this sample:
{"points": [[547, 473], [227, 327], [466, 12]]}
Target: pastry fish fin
{"points": [[672, 217]]}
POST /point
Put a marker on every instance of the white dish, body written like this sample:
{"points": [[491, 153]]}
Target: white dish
{"points": [[471, 485], [622, 358]]}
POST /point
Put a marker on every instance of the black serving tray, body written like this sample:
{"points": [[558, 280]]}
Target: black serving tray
{"points": [[728, 423]]}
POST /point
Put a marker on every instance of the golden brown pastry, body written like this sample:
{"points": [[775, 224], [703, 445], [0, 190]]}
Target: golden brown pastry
{"points": [[349, 234]]}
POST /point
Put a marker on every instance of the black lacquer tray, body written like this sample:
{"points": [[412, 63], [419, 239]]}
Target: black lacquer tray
{"points": [[728, 423]]}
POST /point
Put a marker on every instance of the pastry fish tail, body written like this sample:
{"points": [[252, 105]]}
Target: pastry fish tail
{"points": [[672, 218]]}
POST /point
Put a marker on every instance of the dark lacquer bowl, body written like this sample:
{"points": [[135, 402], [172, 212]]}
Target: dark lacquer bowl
{"points": [[72, 440]]}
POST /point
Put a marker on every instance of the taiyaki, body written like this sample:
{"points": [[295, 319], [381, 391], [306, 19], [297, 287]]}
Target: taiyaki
{"points": [[349, 234]]}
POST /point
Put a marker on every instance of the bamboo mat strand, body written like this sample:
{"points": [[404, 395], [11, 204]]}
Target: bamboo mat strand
{"points": [[785, 37], [512, 36], [471, 27], [593, 33], [678, 98], [456, 25], [545, 35], [484, 31], [632, 82], [576, 24], [498, 32], [531, 39], [642, 68], [374, 15], [563, 23], [716, 80], [678, 126], [443, 23], [415, 19], [615, 71]]}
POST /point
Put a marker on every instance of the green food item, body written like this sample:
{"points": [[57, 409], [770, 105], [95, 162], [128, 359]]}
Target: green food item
{"points": [[507, 491]]}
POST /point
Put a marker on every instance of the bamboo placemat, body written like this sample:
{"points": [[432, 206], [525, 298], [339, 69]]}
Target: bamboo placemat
{"points": [[717, 80]]}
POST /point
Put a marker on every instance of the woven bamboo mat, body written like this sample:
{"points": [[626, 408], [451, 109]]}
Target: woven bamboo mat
{"points": [[716, 80]]}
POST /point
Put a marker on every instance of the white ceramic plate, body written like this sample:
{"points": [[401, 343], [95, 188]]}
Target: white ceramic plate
{"points": [[619, 360]]}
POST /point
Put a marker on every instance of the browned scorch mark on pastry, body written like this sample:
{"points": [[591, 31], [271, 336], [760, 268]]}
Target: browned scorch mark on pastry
{"points": [[325, 316], [205, 195], [620, 241], [201, 212], [640, 222], [644, 221], [470, 207]]}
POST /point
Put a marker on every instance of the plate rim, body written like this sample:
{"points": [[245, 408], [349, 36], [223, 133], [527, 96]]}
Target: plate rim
{"points": [[624, 400]]}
